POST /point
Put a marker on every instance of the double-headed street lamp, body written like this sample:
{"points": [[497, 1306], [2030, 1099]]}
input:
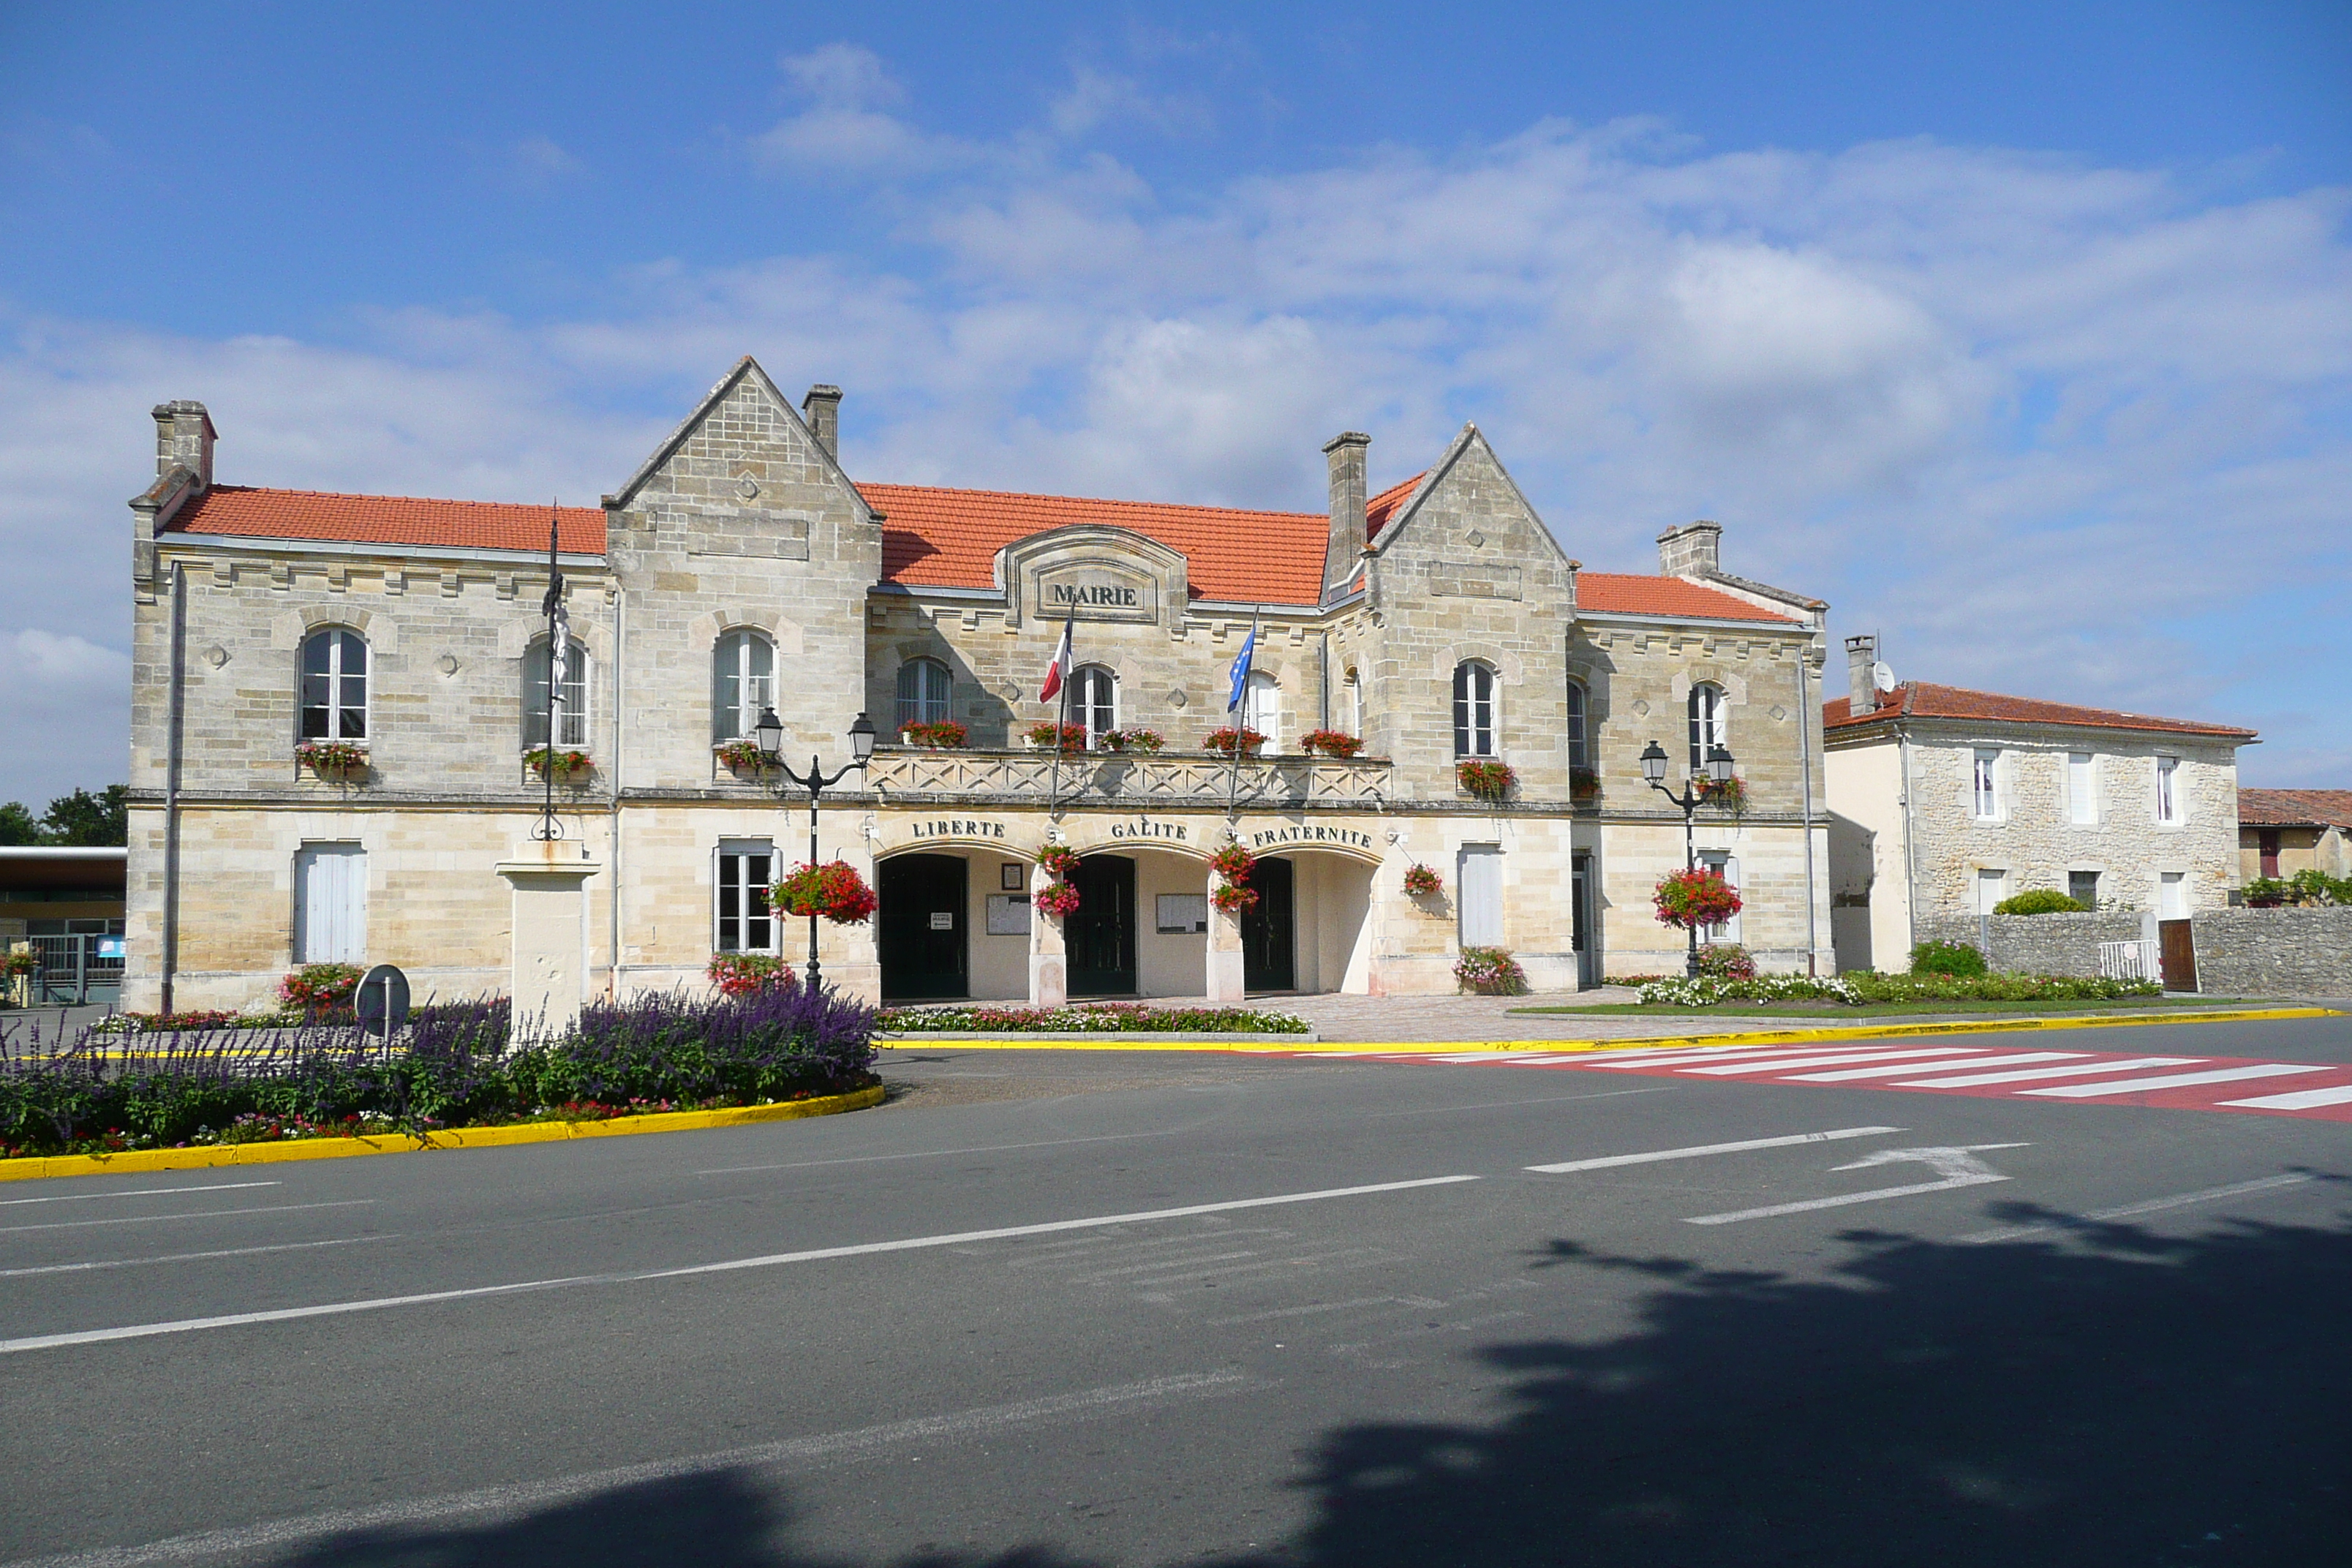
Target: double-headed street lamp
{"points": [[1718, 768], [769, 734]]}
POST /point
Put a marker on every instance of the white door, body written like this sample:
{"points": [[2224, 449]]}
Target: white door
{"points": [[1480, 878], [331, 904], [2172, 896], [1991, 889]]}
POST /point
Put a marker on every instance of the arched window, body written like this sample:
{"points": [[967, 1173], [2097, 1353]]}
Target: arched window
{"points": [[923, 691], [1352, 692], [334, 686], [1473, 709], [1580, 751], [1706, 731], [572, 712], [1094, 700], [1261, 708], [743, 682]]}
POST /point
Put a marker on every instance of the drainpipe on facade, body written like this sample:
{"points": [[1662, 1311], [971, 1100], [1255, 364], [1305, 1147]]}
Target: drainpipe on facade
{"points": [[1910, 861], [174, 708], [620, 719], [1805, 766]]}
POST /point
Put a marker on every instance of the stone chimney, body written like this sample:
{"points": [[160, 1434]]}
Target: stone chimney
{"points": [[821, 409], [1860, 656], [1345, 452], [1694, 550], [183, 439]]}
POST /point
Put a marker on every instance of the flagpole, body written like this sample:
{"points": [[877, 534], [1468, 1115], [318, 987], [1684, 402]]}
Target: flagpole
{"points": [[1241, 719], [551, 607], [1066, 663]]}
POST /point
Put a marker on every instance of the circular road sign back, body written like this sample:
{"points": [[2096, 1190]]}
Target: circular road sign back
{"points": [[381, 1000]]}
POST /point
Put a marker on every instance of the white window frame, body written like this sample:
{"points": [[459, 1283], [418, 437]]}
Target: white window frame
{"points": [[336, 708], [1984, 784], [578, 691], [1707, 723], [2082, 789], [1476, 713], [752, 692], [1262, 707], [737, 879], [923, 706], [2167, 801], [1094, 700], [308, 945]]}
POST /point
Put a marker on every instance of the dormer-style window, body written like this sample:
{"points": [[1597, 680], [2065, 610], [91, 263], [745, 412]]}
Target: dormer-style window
{"points": [[924, 688], [1707, 728], [571, 713], [334, 686], [742, 684], [1473, 709], [1094, 701]]}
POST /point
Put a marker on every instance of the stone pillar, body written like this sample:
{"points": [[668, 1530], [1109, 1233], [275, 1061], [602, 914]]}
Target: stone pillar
{"points": [[1049, 965], [1224, 951], [549, 977]]}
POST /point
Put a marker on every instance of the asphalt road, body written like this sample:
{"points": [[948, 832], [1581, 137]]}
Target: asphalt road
{"points": [[1053, 1309]]}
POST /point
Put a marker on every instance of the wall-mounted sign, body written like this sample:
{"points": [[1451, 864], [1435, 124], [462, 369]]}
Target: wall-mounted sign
{"points": [[1096, 591]]}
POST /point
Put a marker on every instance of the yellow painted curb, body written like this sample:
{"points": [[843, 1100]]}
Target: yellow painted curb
{"points": [[140, 1159]]}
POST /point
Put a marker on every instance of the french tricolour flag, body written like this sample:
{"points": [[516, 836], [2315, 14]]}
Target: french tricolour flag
{"points": [[1059, 670]]}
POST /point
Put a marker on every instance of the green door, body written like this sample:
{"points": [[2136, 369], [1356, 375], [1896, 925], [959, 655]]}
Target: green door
{"points": [[1269, 950], [1100, 937], [922, 927]]}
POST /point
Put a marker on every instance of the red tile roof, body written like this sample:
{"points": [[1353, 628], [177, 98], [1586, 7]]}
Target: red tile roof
{"points": [[2295, 807], [1383, 506], [1923, 699], [248, 512], [934, 538], [1618, 593]]}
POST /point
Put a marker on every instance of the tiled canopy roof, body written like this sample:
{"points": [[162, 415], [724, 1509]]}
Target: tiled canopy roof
{"points": [[936, 538], [1924, 700], [2295, 807], [244, 511]]}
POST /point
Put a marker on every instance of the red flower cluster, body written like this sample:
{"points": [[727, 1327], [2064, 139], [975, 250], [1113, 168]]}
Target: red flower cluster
{"points": [[834, 890], [1226, 741], [1688, 899], [1058, 899], [1421, 881], [1331, 743], [1487, 780], [1233, 863], [1060, 862]]}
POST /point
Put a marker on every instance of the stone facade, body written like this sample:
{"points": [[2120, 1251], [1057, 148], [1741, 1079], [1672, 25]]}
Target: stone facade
{"points": [[743, 521]]}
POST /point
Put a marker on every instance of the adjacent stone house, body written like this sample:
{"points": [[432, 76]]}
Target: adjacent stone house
{"points": [[742, 570], [2282, 831], [1943, 802]]}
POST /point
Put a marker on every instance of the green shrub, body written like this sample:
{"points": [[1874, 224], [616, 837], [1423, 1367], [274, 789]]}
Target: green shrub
{"points": [[2039, 901], [1946, 958], [1929, 987]]}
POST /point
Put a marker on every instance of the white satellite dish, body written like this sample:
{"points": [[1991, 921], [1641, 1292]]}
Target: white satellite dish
{"points": [[1882, 675]]}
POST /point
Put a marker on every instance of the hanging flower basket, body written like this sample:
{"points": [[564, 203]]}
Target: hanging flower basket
{"points": [[743, 756], [1223, 741], [1686, 899], [1422, 882], [568, 765], [1060, 862], [1332, 743], [1138, 740], [1234, 899], [1233, 863], [19, 960], [1059, 899], [834, 890], [1040, 736], [1730, 795], [1490, 972], [1487, 780], [936, 734], [340, 761]]}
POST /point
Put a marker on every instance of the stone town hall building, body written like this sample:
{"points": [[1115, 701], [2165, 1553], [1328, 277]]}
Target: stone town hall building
{"points": [[741, 567]]}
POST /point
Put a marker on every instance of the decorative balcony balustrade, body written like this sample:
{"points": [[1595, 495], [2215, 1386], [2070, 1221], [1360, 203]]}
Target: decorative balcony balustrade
{"points": [[1196, 779]]}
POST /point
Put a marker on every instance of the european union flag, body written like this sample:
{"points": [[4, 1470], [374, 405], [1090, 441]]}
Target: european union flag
{"points": [[1241, 672]]}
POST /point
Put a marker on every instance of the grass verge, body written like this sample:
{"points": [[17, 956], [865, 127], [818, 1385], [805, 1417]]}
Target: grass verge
{"points": [[1939, 1008]]}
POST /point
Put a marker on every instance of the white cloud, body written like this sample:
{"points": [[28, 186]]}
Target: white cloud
{"points": [[539, 163], [65, 712], [2055, 429]]}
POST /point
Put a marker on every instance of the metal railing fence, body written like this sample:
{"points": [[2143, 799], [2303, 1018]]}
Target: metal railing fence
{"points": [[2129, 960]]}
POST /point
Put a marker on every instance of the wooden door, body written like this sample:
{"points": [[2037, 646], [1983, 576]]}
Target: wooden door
{"points": [[2177, 951]]}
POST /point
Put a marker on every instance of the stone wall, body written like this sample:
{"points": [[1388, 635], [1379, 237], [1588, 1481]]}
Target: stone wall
{"points": [[2274, 952], [2032, 944]]}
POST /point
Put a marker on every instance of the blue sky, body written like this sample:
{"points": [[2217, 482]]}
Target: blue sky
{"points": [[2021, 333]]}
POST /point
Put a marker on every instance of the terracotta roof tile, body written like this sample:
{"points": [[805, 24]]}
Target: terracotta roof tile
{"points": [[2295, 807], [1383, 506], [248, 512], [1924, 700], [934, 538], [1618, 593]]}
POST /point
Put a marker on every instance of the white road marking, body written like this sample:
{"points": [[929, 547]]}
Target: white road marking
{"points": [[1726, 1069], [1319, 1307], [165, 1218], [1512, 1104], [2300, 1099], [138, 1193], [519, 1498], [2025, 1074], [939, 1153], [812, 1255], [2174, 1080], [189, 1256], [1959, 1166], [1696, 1151], [2150, 1205], [1696, 1053], [1848, 1075]]}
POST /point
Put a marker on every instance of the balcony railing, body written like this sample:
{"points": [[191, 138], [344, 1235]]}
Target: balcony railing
{"points": [[1191, 779]]}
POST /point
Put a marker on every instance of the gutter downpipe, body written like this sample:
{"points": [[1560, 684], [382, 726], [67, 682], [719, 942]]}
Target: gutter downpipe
{"points": [[1805, 720], [1910, 855], [620, 721], [172, 725]]}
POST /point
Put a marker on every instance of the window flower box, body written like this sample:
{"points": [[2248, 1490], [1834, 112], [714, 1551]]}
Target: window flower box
{"points": [[1148, 741], [937, 736], [1337, 743], [744, 757], [1583, 783], [569, 767], [1730, 795], [1489, 782], [337, 761], [1226, 741], [1041, 734]]}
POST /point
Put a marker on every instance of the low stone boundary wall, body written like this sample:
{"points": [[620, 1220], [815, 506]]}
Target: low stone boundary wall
{"points": [[2038, 944], [2239, 952]]}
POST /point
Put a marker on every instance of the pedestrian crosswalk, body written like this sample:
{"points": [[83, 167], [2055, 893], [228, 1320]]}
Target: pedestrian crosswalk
{"points": [[2318, 1091]]}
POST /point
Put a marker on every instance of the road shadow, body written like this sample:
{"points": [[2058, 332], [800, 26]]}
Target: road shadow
{"points": [[2103, 1396]]}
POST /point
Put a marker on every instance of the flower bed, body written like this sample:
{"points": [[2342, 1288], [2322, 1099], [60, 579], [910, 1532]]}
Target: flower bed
{"points": [[741, 974], [457, 1066], [1865, 987], [1100, 1018]]}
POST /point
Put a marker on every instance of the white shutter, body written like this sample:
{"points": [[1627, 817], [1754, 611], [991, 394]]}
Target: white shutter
{"points": [[2082, 789], [330, 914], [1480, 878]]}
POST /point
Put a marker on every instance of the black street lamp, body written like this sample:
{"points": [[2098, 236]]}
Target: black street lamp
{"points": [[770, 735], [1719, 769]]}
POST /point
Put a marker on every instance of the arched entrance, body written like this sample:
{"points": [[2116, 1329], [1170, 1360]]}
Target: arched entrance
{"points": [[922, 927], [1099, 940], [1270, 928]]}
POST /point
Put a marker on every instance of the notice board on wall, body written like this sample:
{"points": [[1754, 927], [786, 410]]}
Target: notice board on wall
{"points": [[1008, 914]]}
